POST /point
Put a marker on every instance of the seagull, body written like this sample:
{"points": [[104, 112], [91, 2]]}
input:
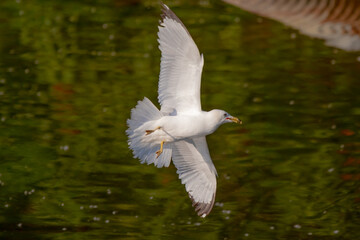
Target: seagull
{"points": [[178, 131]]}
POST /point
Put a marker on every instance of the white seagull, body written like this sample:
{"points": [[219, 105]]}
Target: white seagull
{"points": [[178, 130]]}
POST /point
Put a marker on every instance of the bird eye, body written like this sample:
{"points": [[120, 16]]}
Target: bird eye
{"points": [[225, 114]]}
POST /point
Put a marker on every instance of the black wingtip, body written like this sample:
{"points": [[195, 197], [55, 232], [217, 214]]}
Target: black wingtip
{"points": [[167, 13], [203, 209]]}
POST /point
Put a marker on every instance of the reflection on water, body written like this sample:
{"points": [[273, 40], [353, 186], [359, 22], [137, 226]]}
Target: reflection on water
{"points": [[336, 21], [70, 72]]}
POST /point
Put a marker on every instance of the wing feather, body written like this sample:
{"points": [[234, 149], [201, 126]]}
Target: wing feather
{"points": [[192, 159], [180, 68]]}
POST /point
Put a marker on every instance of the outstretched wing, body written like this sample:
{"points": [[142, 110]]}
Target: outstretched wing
{"points": [[181, 66], [192, 159]]}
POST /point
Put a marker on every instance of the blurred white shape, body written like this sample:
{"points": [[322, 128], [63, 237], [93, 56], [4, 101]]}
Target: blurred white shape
{"points": [[297, 226], [335, 21]]}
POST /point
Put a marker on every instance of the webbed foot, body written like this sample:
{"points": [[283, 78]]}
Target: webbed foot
{"points": [[147, 132], [158, 153]]}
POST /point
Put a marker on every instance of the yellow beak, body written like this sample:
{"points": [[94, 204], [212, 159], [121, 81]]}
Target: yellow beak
{"points": [[235, 120]]}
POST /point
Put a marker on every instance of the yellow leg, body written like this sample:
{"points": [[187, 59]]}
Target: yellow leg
{"points": [[158, 153], [151, 131]]}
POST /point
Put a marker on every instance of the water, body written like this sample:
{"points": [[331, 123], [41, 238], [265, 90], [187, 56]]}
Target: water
{"points": [[71, 72]]}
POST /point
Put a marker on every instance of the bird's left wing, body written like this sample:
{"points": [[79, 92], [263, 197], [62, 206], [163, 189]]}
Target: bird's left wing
{"points": [[181, 66], [192, 159]]}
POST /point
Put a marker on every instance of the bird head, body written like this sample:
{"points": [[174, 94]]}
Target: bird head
{"points": [[224, 117]]}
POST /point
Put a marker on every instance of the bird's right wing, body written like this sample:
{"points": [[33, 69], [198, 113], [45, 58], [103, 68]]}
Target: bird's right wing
{"points": [[181, 66], [192, 159]]}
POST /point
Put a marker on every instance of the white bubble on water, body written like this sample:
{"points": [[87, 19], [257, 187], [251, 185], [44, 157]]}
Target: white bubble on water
{"points": [[297, 226], [219, 204], [226, 211], [64, 148]]}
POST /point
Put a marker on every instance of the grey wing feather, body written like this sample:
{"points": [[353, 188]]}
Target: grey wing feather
{"points": [[180, 68], [196, 171]]}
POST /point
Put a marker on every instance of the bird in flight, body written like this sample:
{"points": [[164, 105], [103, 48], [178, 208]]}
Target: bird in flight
{"points": [[178, 131]]}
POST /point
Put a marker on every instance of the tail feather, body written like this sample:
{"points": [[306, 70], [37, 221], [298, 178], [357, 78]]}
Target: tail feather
{"points": [[144, 111], [141, 117]]}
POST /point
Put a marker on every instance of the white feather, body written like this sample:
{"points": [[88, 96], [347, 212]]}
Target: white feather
{"points": [[195, 168], [180, 69], [143, 117]]}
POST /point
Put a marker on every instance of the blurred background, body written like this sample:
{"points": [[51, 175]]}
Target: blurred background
{"points": [[70, 72]]}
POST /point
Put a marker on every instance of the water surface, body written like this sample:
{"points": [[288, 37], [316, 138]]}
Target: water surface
{"points": [[71, 71]]}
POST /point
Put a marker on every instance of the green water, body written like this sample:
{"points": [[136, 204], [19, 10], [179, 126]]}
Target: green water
{"points": [[70, 72]]}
